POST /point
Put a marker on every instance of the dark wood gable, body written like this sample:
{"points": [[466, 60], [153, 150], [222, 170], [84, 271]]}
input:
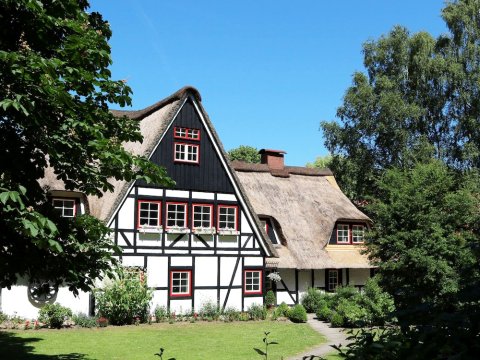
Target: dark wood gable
{"points": [[209, 174]]}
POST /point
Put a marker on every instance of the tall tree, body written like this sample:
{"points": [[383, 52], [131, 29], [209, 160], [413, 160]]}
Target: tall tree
{"points": [[56, 88], [244, 153], [320, 162]]}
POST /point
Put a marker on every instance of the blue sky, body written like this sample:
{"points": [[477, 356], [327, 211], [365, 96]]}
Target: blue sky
{"points": [[268, 71]]}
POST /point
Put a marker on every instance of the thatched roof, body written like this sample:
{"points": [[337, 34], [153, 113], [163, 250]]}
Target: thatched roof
{"points": [[306, 203], [154, 121]]}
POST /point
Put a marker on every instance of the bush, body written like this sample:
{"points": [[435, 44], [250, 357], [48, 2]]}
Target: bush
{"points": [[353, 313], [84, 321], [3, 317], [324, 313], [209, 311], [282, 310], [231, 314], [124, 299], [379, 304], [53, 315], [298, 314], [270, 298], [336, 319], [257, 312], [161, 314], [310, 300]]}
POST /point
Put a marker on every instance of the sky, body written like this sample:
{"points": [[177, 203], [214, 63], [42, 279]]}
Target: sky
{"points": [[268, 71]]}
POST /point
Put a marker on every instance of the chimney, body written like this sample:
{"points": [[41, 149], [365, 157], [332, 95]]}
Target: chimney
{"points": [[273, 158]]}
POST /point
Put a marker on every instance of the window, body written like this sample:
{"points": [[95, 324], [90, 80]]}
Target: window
{"points": [[202, 216], [65, 207], [332, 278], [343, 234], [227, 217], [148, 213], [186, 153], [180, 283], [253, 282], [186, 133], [357, 234], [176, 215]]}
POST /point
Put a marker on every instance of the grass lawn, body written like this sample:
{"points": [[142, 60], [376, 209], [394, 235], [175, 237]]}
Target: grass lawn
{"points": [[182, 341]]}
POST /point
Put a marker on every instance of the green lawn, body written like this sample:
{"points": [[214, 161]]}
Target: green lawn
{"points": [[182, 341]]}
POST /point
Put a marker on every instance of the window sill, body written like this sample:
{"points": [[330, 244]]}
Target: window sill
{"points": [[178, 230], [228, 232], [150, 229], [204, 231]]}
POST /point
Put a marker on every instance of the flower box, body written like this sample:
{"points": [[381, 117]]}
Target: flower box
{"points": [[177, 230], [204, 230], [228, 232], [150, 229]]}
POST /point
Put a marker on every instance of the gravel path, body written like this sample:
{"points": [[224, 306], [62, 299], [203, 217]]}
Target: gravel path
{"points": [[334, 336]]}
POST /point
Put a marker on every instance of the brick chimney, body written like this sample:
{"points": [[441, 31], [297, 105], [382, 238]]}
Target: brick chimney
{"points": [[273, 158]]}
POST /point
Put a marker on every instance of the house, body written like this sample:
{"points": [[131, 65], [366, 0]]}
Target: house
{"points": [[217, 234]]}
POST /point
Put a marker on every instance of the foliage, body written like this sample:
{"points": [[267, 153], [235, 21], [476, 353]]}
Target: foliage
{"points": [[124, 299], [257, 312], [161, 313], [244, 153], [310, 300], [353, 313], [160, 354], [53, 315], [282, 310], [209, 310], [323, 312], [54, 98], [267, 343], [378, 303], [321, 162], [336, 319], [297, 314], [270, 299], [231, 314], [3, 317], [84, 321]]}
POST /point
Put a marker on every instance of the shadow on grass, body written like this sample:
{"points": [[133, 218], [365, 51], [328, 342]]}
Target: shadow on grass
{"points": [[14, 347]]}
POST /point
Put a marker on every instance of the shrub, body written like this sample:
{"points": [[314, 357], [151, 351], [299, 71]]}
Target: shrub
{"points": [[53, 315], [298, 314], [353, 313], [124, 299], [257, 312], [231, 314], [324, 313], [161, 314], [270, 298], [379, 304], [282, 310], [336, 319], [3, 317], [84, 321], [310, 300], [209, 311]]}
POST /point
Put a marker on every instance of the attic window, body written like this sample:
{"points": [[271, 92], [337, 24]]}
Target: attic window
{"points": [[186, 153], [186, 133], [343, 234], [357, 234], [65, 207]]}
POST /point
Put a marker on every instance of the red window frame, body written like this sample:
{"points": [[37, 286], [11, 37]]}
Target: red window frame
{"points": [[193, 214], [189, 293], [152, 202], [350, 233], [253, 292], [197, 146], [349, 240], [186, 133], [236, 216], [363, 234], [328, 279], [62, 208], [176, 203]]}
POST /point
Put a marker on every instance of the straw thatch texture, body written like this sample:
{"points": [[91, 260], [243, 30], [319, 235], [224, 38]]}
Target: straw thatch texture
{"points": [[307, 208]]}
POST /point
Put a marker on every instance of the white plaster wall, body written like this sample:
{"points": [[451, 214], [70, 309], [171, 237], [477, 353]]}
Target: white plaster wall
{"points": [[304, 282], [227, 264], [249, 301], [203, 296], [122, 242], [319, 278], [359, 276], [244, 223], [133, 261], [150, 191], [159, 299], [203, 195], [253, 261], [157, 272], [180, 306], [205, 271], [227, 197], [288, 277], [125, 215], [170, 238], [181, 261], [234, 298], [282, 296], [177, 193]]}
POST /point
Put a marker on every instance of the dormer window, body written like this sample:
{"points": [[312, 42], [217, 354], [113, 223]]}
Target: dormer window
{"points": [[357, 234], [66, 207], [186, 133], [187, 153], [343, 234], [349, 234]]}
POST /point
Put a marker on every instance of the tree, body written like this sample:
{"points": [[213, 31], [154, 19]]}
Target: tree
{"points": [[54, 98], [417, 91], [244, 153], [320, 162]]}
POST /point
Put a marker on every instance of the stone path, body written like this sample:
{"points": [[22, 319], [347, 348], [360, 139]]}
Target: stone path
{"points": [[334, 336]]}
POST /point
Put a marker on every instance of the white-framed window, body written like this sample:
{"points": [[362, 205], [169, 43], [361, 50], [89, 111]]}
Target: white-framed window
{"points": [[180, 283], [186, 153], [227, 217], [332, 278], [343, 235], [253, 282], [65, 207], [358, 232], [176, 215], [186, 133], [202, 216], [148, 213]]}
